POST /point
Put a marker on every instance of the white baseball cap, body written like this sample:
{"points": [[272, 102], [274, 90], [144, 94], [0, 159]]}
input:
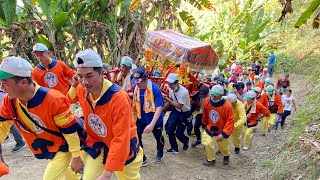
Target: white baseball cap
{"points": [[256, 77], [232, 98], [217, 90], [39, 47], [127, 61], [250, 95], [15, 66], [87, 58], [249, 68], [172, 78], [265, 69], [257, 89]]}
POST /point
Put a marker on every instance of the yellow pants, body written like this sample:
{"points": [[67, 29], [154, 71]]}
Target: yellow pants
{"points": [[59, 168], [248, 133], [208, 143], [236, 136], [268, 122], [94, 167]]}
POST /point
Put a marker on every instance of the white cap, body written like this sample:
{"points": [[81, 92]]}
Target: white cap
{"points": [[237, 61], [257, 89], [269, 88], [256, 77], [15, 66], [265, 69], [267, 79], [172, 78], [249, 68], [127, 61], [250, 95], [232, 98], [39, 47], [217, 90], [87, 58]]}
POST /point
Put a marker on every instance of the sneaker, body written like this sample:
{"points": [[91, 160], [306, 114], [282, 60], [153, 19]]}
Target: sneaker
{"points": [[209, 163], [263, 134], [269, 130], [158, 158], [225, 160], [18, 147], [144, 163], [194, 144], [245, 148], [218, 152], [237, 150], [172, 151], [185, 147]]}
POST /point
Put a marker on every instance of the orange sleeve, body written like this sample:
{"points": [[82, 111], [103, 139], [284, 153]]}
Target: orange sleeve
{"points": [[120, 144], [228, 128], [279, 103], [68, 72], [205, 114], [6, 111], [261, 85], [265, 111]]}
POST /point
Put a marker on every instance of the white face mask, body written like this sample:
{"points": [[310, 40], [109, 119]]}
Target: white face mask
{"points": [[176, 87], [215, 101]]}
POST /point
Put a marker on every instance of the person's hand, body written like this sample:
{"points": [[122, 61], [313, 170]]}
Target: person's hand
{"points": [[219, 138], [148, 128], [165, 97], [106, 175], [75, 81], [76, 164]]}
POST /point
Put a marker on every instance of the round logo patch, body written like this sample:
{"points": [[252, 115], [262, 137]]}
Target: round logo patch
{"points": [[96, 124], [36, 128], [214, 116], [51, 79]]}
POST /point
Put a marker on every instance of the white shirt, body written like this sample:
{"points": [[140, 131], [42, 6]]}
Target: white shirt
{"points": [[181, 97], [287, 102]]}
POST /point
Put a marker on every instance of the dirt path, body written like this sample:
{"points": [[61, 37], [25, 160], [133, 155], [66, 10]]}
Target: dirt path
{"points": [[185, 165]]}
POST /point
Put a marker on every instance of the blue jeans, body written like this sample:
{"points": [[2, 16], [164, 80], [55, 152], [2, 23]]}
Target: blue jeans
{"points": [[278, 118], [175, 127], [270, 69]]}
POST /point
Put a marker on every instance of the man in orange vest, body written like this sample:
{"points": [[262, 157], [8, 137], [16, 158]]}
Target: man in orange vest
{"points": [[43, 116], [51, 73], [112, 144], [218, 120]]}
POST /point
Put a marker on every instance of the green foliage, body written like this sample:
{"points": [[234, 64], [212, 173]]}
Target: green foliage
{"points": [[306, 15], [7, 12]]}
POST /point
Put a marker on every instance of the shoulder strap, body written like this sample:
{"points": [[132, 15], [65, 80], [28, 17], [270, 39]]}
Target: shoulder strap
{"points": [[36, 123]]}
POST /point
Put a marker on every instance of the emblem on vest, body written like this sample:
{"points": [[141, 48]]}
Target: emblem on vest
{"points": [[51, 79], [96, 124], [37, 129], [214, 116]]}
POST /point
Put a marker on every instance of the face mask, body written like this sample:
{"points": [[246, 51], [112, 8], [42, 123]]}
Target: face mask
{"points": [[175, 88], [269, 93], [216, 101]]}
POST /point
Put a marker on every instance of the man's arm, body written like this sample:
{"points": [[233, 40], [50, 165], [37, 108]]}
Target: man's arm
{"points": [[68, 72], [67, 124]]}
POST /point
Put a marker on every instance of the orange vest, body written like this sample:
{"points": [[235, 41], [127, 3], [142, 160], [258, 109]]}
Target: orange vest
{"points": [[56, 77], [42, 108], [218, 118], [251, 117], [110, 126]]}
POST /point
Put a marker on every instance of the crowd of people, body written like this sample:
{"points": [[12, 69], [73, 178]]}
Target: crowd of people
{"points": [[103, 135]]}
